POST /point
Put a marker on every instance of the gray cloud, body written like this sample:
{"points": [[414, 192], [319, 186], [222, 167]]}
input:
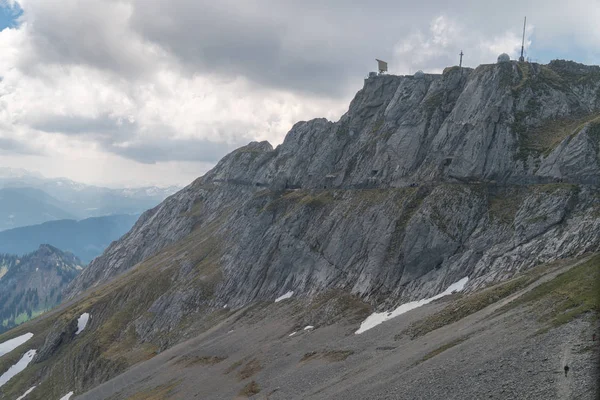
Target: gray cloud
{"points": [[9, 145], [321, 46], [310, 46], [186, 81], [93, 33], [128, 140], [78, 125], [174, 150]]}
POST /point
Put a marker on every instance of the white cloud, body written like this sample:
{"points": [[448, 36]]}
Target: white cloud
{"points": [[121, 91], [439, 46]]}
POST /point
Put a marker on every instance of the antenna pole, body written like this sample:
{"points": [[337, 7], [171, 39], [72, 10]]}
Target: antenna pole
{"points": [[522, 59]]}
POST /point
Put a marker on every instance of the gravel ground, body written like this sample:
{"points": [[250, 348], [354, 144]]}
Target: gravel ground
{"points": [[495, 357]]}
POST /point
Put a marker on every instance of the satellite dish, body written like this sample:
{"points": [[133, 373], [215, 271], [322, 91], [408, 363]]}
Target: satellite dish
{"points": [[382, 66], [502, 58]]}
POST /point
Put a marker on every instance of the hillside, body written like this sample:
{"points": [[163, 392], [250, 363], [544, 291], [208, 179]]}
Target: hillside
{"points": [[32, 284], [87, 238], [489, 177]]}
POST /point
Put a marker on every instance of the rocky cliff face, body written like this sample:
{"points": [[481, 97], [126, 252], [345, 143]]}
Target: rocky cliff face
{"points": [[482, 173], [423, 181]]}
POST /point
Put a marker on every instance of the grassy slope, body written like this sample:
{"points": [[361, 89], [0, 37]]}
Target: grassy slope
{"points": [[570, 295]]}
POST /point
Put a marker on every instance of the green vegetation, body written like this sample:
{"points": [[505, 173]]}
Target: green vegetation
{"points": [[319, 200], [566, 297], [162, 392], [189, 361], [22, 318], [503, 206], [234, 366], [290, 201], [332, 306], [447, 70], [433, 102], [443, 348], [524, 72], [594, 130], [545, 138], [343, 128], [541, 140], [506, 74], [328, 355], [251, 368], [377, 125], [250, 389], [113, 345], [470, 304], [549, 188]]}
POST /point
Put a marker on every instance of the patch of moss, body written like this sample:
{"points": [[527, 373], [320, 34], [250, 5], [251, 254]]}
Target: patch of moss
{"points": [[549, 188], [162, 392], [250, 389], [535, 220], [377, 125], [318, 200], [433, 102], [251, 368], [448, 70], [503, 206], [328, 355], [234, 366], [566, 297], [524, 71], [544, 139], [464, 307], [470, 304], [594, 131], [332, 306], [189, 361], [442, 349], [506, 74]]}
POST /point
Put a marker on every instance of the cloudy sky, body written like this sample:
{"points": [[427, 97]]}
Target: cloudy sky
{"points": [[136, 92]]}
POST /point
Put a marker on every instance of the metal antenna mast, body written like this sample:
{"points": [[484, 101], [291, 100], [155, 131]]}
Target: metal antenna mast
{"points": [[522, 58]]}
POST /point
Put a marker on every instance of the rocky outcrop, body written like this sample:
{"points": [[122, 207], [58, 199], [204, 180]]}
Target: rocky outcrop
{"points": [[478, 173], [483, 173], [61, 334]]}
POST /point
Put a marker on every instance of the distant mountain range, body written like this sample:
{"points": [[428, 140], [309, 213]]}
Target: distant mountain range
{"points": [[86, 238], [32, 284], [27, 198], [28, 206]]}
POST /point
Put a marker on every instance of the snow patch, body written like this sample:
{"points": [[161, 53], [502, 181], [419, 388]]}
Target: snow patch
{"points": [[293, 333], [18, 367], [67, 396], [26, 393], [309, 328], [10, 345], [378, 318], [82, 322], [285, 296]]}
